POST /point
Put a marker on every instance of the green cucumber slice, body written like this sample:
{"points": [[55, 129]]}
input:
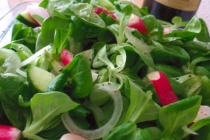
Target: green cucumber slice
{"points": [[26, 19], [39, 78]]}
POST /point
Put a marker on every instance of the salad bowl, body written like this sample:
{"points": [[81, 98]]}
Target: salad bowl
{"points": [[102, 70]]}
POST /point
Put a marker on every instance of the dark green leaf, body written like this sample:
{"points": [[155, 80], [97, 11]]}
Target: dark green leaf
{"points": [[150, 133], [49, 27], [150, 22], [44, 3], [140, 47], [123, 132], [46, 110], [170, 54], [181, 113], [191, 84], [11, 87], [139, 100], [204, 34], [80, 75]]}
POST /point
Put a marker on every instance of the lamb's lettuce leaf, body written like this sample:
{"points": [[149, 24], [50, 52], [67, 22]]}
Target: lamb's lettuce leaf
{"points": [[55, 103], [181, 113]]}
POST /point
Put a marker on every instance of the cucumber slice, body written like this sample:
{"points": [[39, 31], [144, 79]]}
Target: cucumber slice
{"points": [[39, 78], [25, 18]]}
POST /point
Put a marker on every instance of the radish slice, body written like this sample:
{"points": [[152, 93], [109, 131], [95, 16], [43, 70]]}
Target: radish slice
{"points": [[99, 10], [203, 113], [34, 9], [136, 23], [71, 136], [162, 87], [9, 133], [66, 57], [167, 30]]}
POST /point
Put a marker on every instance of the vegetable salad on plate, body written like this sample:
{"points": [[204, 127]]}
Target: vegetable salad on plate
{"points": [[104, 70]]}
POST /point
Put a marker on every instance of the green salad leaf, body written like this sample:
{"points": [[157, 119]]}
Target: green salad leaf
{"points": [[104, 69]]}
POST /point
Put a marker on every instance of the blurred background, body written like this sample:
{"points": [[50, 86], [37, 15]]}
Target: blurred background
{"points": [[202, 12], [12, 3]]}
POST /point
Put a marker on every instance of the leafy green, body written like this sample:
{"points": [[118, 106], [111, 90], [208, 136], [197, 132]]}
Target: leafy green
{"points": [[22, 51], [22, 34], [47, 33], [139, 100], [141, 48], [191, 84], [55, 103], [123, 132], [178, 113], [9, 61], [80, 115], [103, 3], [11, 87], [108, 57], [170, 54], [80, 76], [85, 12], [150, 133]]}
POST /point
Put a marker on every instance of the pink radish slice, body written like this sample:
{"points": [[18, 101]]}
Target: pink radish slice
{"points": [[34, 9], [99, 10], [167, 30], [9, 133], [136, 23], [66, 57], [203, 113], [71, 136], [162, 87]]}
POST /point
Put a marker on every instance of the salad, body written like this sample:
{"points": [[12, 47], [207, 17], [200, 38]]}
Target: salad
{"points": [[104, 70]]}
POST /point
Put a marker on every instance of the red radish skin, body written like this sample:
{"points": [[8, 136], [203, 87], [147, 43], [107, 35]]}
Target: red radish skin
{"points": [[36, 10], [71, 136], [136, 23], [99, 10], [9, 133], [162, 87], [66, 57]]}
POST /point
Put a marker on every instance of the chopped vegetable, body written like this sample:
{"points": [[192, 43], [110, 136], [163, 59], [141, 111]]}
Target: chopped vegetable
{"points": [[33, 15], [164, 91], [79, 69], [37, 13], [9, 133], [138, 24], [203, 112], [99, 10], [111, 90], [39, 78], [25, 18], [66, 57]]}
